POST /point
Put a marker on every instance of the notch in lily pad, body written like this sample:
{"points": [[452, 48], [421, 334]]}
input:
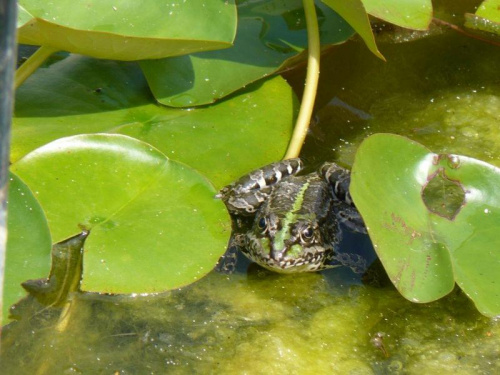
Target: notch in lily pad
{"points": [[443, 196], [448, 214], [139, 206]]}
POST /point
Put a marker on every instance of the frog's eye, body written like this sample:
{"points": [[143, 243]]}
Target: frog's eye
{"points": [[307, 233], [262, 223]]}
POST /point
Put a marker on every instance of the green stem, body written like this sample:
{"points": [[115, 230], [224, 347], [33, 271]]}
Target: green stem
{"points": [[307, 105], [30, 65]]}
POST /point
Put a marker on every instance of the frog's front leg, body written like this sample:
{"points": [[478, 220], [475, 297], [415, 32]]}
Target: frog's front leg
{"points": [[246, 195], [227, 262], [340, 179]]}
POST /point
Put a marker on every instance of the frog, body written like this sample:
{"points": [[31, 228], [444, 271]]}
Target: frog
{"points": [[289, 222]]}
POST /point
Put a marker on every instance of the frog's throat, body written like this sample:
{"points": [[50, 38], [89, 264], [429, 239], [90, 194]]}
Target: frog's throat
{"points": [[291, 216]]}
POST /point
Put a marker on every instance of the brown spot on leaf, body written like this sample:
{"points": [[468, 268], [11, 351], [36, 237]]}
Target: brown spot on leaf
{"points": [[398, 224]]}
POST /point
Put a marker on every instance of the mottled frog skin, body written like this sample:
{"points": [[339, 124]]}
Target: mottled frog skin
{"points": [[288, 222]]}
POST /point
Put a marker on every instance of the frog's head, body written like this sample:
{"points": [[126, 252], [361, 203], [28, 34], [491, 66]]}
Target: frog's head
{"points": [[289, 243]]}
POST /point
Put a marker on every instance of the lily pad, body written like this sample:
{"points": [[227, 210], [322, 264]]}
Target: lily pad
{"points": [[28, 243], [355, 14], [425, 252], [227, 140], [154, 224], [412, 14], [487, 17], [490, 9], [270, 36], [78, 95], [127, 30]]}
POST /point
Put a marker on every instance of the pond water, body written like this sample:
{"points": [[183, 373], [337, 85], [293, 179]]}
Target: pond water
{"points": [[443, 91], [257, 323]]}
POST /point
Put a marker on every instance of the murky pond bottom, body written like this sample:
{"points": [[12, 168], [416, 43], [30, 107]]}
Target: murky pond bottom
{"points": [[257, 323], [442, 91]]}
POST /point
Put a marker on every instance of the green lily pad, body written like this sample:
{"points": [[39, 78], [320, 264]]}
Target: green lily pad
{"points": [[425, 252], [127, 30], [229, 139], [487, 17], [154, 224], [489, 9], [270, 36], [28, 243], [355, 14], [412, 14], [78, 95]]}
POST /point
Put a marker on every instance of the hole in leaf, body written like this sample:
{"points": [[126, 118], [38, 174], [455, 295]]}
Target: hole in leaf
{"points": [[443, 196]]}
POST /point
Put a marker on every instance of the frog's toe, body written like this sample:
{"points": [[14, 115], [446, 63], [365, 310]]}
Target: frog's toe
{"points": [[351, 218]]}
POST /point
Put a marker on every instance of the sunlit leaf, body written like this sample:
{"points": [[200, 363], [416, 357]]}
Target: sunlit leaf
{"points": [[412, 14], [28, 243], [487, 17], [154, 224], [354, 13], [424, 252], [489, 9], [78, 95], [271, 34], [127, 30]]}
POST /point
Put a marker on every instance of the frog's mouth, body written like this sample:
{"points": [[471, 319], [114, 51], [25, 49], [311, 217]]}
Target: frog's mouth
{"points": [[295, 259]]}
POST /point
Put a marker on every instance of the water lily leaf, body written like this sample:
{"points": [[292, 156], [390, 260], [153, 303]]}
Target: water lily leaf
{"points": [[78, 95], [270, 36], [397, 217], [127, 30], [489, 9], [412, 14], [28, 243], [487, 17], [232, 137], [154, 224], [423, 250], [355, 14]]}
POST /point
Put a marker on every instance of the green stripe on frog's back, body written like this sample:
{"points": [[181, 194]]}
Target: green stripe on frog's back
{"points": [[290, 217]]}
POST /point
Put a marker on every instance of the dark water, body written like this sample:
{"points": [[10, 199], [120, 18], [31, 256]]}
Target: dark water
{"points": [[443, 91]]}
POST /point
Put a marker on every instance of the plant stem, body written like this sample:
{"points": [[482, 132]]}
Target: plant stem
{"points": [[307, 104], [464, 32], [30, 65]]}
